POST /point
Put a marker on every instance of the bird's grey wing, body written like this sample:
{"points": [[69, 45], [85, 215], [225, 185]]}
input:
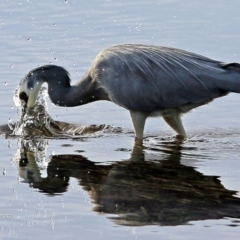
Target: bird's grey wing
{"points": [[150, 78]]}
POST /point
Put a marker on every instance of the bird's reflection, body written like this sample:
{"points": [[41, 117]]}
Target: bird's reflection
{"points": [[137, 191]]}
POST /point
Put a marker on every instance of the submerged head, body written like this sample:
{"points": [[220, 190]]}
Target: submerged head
{"points": [[29, 88], [31, 84]]}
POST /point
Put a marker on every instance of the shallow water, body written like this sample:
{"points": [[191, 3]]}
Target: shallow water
{"points": [[99, 185]]}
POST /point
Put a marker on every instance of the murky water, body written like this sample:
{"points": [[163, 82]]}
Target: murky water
{"points": [[97, 185]]}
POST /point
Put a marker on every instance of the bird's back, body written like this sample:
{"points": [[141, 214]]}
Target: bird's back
{"points": [[150, 78]]}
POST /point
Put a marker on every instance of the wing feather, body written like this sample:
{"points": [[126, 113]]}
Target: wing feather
{"points": [[151, 78]]}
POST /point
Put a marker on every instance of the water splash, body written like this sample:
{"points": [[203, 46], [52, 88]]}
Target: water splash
{"points": [[31, 119], [36, 122]]}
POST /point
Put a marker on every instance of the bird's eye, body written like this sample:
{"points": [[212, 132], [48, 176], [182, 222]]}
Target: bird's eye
{"points": [[23, 96]]}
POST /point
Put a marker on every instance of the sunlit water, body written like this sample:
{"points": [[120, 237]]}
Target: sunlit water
{"points": [[74, 173]]}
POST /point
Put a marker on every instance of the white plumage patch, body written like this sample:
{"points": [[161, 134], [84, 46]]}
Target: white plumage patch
{"points": [[31, 89]]}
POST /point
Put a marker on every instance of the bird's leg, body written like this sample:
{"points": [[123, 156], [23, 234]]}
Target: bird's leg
{"points": [[138, 120], [175, 122]]}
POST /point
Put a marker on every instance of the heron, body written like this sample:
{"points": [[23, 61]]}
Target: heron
{"points": [[147, 80]]}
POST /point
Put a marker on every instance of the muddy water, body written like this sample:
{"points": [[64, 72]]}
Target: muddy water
{"points": [[65, 183]]}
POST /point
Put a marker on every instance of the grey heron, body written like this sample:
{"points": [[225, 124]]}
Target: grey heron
{"points": [[147, 80]]}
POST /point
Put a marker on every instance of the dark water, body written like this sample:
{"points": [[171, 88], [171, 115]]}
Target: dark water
{"points": [[80, 176]]}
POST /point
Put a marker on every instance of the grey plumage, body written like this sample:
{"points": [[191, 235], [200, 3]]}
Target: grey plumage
{"points": [[147, 80]]}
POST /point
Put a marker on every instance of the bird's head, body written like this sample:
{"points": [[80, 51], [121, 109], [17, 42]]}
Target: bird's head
{"points": [[29, 88], [56, 77]]}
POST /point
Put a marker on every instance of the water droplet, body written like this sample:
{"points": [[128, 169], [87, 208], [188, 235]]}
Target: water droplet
{"points": [[5, 83], [11, 66], [29, 39], [65, 1], [55, 59], [54, 24], [10, 125], [4, 171]]}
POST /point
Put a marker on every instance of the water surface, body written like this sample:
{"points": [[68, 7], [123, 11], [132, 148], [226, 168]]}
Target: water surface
{"points": [[101, 186]]}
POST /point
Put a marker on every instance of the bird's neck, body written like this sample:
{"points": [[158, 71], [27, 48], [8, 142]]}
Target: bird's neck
{"points": [[83, 92]]}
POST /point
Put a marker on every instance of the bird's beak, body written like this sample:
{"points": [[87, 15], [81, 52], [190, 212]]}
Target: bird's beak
{"points": [[32, 95], [31, 104]]}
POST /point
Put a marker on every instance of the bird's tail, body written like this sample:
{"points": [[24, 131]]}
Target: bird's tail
{"points": [[230, 79], [235, 66]]}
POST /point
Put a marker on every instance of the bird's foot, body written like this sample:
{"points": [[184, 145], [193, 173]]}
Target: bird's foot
{"points": [[180, 138], [138, 142]]}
